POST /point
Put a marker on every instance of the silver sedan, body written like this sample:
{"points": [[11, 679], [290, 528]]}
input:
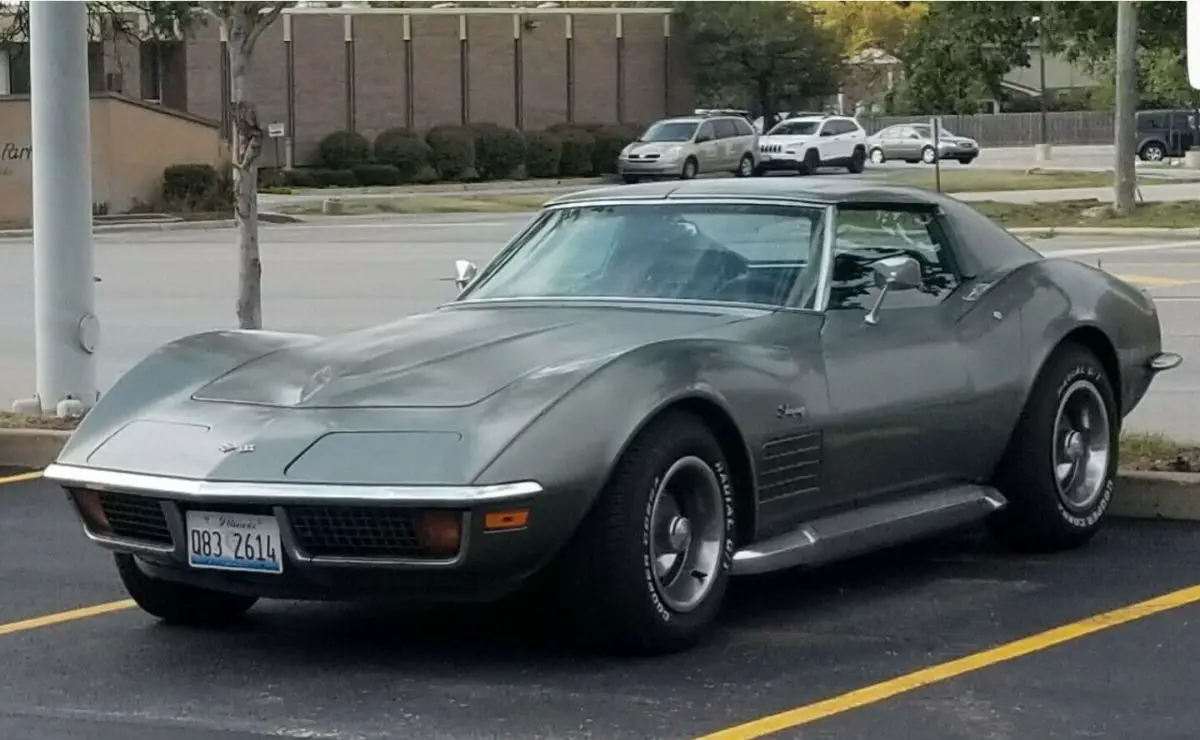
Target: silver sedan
{"points": [[913, 142]]}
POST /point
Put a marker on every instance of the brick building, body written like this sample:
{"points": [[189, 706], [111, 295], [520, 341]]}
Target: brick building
{"points": [[321, 69]]}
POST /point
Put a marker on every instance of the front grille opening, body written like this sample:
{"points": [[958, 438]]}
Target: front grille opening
{"points": [[132, 517], [368, 532]]}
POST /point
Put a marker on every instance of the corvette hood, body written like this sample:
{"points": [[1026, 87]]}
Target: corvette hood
{"points": [[447, 358]]}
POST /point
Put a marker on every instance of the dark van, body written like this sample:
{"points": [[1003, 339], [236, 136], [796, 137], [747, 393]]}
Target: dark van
{"points": [[1167, 133]]}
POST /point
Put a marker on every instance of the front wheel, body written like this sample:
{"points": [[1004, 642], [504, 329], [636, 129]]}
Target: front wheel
{"points": [[1153, 152], [877, 156], [858, 161], [178, 603], [690, 167], [648, 569], [1058, 471], [745, 167]]}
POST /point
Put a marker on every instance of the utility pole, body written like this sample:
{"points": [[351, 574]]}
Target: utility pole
{"points": [[1043, 148], [66, 328], [1124, 170]]}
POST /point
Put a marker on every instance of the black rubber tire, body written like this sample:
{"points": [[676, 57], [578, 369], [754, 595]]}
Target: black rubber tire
{"points": [[605, 583], [812, 162], [966, 160], [858, 161], [743, 170], [1144, 153], [630, 179], [923, 155], [178, 603], [1035, 518], [882, 157], [695, 169]]}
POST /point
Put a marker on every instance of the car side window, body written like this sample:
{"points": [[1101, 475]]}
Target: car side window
{"points": [[724, 128], [867, 235], [743, 127], [705, 130]]}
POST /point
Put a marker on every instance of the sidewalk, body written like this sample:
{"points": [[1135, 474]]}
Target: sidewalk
{"points": [[1147, 193]]}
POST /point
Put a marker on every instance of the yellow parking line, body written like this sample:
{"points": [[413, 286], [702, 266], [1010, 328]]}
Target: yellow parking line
{"points": [[21, 477], [879, 692], [1154, 280], [73, 615]]}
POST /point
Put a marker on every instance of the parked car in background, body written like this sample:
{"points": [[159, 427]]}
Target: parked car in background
{"points": [[1167, 133], [787, 115], [913, 142], [688, 146], [806, 143]]}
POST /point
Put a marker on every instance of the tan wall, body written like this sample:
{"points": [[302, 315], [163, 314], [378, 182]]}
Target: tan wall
{"points": [[131, 145], [351, 70]]}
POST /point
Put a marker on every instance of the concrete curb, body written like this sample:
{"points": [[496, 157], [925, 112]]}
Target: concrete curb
{"points": [[1105, 231], [450, 188], [225, 223], [1153, 495], [31, 449], [1137, 495]]}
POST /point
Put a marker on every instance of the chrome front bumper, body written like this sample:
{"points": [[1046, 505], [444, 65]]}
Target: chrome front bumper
{"points": [[166, 499]]}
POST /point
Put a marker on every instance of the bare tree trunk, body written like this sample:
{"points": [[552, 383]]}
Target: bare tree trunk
{"points": [[1125, 172], [247, 146]]}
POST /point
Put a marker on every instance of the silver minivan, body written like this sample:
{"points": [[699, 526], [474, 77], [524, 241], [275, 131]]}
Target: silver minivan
{"points": [[691, 145]]}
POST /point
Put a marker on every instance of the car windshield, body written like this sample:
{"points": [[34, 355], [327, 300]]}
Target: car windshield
{"points": [[794, 128], [721, 252], [670, 131]]}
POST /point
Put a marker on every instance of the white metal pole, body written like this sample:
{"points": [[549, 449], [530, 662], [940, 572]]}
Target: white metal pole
{"points": [[64, 291]]}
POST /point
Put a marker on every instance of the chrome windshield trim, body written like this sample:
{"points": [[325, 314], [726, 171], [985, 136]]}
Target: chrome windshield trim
{"points": [[234, 491]]}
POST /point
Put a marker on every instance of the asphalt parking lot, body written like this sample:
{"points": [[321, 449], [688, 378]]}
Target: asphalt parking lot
{"points": [[835, 650]]}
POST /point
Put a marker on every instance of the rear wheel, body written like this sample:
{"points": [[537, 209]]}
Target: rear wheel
{"points": [[927, 155], [648, 569], [178, 603], [1058, 471]]}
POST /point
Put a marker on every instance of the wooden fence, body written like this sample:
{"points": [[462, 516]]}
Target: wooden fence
{"points": [[1016, 129]]}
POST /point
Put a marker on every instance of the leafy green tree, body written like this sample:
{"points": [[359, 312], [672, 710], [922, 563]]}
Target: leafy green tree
{"points": [[771, 53]]}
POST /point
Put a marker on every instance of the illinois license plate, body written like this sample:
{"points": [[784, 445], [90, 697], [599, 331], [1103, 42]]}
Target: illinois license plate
{"points": [[233, 542]]}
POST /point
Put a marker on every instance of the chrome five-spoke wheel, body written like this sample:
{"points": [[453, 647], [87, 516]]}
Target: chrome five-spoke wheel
{"points": [[687, 531], [1082, 445]]}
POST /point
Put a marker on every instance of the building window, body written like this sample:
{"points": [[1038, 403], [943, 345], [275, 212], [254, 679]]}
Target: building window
{"points": [[152, 71]]}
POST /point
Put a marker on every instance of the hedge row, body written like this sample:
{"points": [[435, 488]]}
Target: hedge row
{"points": [[446, 153], [456, 153]]}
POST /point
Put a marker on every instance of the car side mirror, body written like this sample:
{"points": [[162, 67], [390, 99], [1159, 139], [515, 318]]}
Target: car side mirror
{"points": [[464, 272], [892, 273]]}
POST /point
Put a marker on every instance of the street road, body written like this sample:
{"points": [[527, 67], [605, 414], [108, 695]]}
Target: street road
{"points": [[334, 276]]}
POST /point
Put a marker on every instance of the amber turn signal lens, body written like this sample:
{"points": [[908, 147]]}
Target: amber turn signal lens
{"points": [[515, 519], [93, 512], [440, 531]]}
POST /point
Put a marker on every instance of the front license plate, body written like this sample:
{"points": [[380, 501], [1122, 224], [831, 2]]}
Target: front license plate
{"points": [[233, 542]]}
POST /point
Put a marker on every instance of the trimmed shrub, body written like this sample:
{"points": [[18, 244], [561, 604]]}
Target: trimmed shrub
{"points": [[342, 150], [610, 140], [333, 178], [299, 178], [192, 187], [576, 158], [375, 174], [405, 151], [499, 151], [543, 154], [453, 152]]}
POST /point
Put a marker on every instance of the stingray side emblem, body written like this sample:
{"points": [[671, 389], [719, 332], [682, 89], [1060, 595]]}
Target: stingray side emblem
{"points": [[231, 447]]}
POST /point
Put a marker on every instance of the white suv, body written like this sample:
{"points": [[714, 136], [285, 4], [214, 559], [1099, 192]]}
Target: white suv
{"points": [[805, 143]]}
